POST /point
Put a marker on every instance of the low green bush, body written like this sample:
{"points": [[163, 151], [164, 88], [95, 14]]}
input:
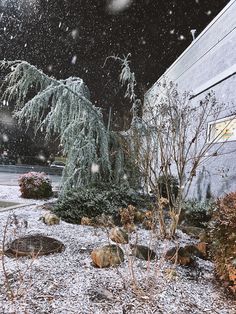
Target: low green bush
{"points": [[198, 214], [35, 185], [96, 200]]}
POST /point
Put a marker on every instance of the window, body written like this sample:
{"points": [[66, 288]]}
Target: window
{"points": [[222, 130]]}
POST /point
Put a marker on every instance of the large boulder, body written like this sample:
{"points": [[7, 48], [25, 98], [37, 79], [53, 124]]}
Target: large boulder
{"points": [[118, 235], [184, 256], [179, 256], [203, 249], [143, 252], [108, 255]]}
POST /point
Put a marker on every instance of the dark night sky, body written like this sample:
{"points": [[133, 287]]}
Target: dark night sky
{"points": [[51, 33]]}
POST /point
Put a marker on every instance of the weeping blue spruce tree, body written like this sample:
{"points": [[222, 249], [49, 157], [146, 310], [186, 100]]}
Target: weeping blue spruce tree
{"points": [[62, 108]]}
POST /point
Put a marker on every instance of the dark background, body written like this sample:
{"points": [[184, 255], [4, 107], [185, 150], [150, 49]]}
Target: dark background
{"points": [[52, 33], [49, 33]]}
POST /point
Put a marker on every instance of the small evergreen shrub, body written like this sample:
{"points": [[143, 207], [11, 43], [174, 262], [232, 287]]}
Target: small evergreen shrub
{"points": [[35, 185], [198, 214], [96, 200], [223, 240]]}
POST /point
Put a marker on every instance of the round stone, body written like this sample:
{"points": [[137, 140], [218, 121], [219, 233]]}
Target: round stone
{"points": [[33, 246]]}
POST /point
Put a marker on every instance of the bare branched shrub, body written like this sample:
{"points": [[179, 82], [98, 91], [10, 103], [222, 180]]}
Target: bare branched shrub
{"points": [[174, 145], [17, 283]]}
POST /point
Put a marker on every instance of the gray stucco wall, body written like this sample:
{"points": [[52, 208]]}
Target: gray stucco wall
{"points": [[209, 63]]}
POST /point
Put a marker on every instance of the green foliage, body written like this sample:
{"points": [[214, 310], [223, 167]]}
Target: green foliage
{"points": [[198, 214], [223, 239], [35, 185], [96, 200]]}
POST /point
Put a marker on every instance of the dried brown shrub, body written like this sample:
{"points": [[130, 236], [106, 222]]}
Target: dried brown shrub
{"points": [[223, 237], [127, 216]]}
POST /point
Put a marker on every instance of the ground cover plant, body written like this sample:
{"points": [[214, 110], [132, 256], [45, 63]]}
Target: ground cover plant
{"points": [[96, 200], [198, 214]]}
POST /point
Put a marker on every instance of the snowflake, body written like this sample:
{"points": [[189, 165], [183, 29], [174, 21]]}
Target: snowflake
{"points": [[73, 60], [94, 168], [116, 6], [5, 138], [181, 37]]}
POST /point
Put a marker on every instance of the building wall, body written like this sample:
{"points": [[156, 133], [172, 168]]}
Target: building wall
{"points": [[209, 63]]}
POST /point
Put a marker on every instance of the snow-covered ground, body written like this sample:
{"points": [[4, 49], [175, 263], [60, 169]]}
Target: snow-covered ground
{"points": [[12, 193], [68, 283]]}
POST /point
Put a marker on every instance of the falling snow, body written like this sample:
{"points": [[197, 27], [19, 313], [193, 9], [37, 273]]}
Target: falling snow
{"points": [[208, 12], [94, 168], [182, 37], [5, 138], [116, 6], [73, 61], [75, 33]]}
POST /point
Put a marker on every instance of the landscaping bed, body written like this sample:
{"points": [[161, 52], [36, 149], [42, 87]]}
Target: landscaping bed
{"points": [[68, 282]]}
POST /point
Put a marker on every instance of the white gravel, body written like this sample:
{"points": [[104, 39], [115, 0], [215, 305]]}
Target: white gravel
{"points": [[68, 283]]}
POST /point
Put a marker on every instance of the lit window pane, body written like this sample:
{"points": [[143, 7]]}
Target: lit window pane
{"points": [[222, 130]]}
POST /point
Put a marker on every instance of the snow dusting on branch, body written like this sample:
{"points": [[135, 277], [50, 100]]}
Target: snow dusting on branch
{"points": [[126, 76]]}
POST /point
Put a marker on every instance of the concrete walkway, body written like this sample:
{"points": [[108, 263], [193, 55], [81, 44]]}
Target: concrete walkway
{"points": [[6, 205]]}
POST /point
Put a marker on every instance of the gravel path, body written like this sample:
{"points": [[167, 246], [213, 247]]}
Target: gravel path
{"points": [[68, 283]]}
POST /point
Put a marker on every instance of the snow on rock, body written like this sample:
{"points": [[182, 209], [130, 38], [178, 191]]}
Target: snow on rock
{"points": [[68, 283]]}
